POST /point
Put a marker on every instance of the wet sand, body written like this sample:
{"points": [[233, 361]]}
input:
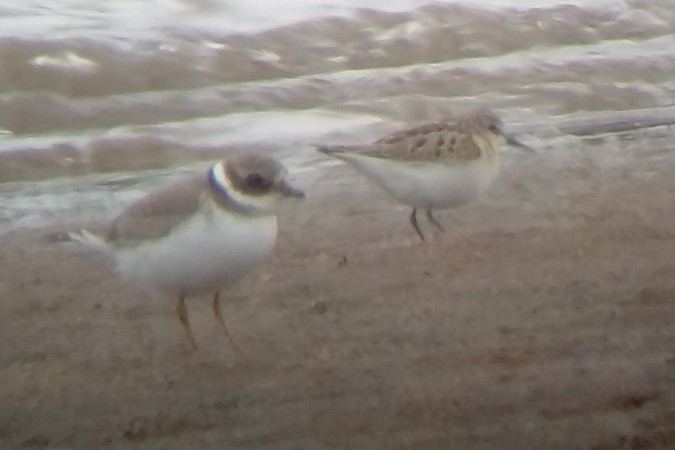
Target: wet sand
{"points": [[542, 319]]}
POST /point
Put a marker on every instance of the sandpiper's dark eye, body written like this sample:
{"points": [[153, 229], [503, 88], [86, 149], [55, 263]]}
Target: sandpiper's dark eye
{"points": [[255, 180], [495, 129]]}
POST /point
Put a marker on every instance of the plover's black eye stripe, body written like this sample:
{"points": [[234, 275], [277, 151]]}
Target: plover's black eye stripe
{"points": [[257, 181]]}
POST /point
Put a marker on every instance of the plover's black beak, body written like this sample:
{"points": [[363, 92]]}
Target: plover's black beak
{"points": [[290, 191], [516, 143]]}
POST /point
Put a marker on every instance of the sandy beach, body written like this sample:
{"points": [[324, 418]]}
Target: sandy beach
{"points": [[542, 319]]}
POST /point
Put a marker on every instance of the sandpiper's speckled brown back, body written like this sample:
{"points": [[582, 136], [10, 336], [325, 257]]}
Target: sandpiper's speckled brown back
{"points": [[439, 141], [430, 142]]}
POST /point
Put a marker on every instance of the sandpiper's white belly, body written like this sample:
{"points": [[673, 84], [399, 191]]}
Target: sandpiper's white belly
{"points": [[429, 185], [203, 255]]}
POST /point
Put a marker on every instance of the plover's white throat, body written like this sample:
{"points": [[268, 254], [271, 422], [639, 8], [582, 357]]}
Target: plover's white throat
{"points": [[201, 233], [434, 166]]}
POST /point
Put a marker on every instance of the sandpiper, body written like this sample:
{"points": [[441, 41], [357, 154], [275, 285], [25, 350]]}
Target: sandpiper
{"points": [[433, 166]]}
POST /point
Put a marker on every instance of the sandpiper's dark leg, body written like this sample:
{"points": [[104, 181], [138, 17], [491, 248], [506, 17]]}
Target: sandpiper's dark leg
{"points": [[435, 222], [413, 221], [219, 315], [182, 313]]}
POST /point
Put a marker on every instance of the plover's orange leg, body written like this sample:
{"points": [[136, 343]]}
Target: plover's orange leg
{"points": [[182, 313], [219, 315]]}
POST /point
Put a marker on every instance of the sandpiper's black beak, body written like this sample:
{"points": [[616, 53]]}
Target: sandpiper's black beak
{"points": [[289, 190], [516, 143]]}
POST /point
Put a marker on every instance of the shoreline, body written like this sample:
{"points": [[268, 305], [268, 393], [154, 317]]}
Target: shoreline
{"points": [[542, 319]]}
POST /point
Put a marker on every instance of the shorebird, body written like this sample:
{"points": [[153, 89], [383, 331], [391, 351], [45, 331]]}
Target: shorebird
{"points": [[200, 233], [433, 166]]}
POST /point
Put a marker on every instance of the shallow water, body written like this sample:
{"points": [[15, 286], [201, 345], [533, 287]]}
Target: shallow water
{"points": [[100, 101]]}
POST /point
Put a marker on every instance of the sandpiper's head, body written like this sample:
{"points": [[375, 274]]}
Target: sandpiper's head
{"points": [[251, 182], [484, 121]]}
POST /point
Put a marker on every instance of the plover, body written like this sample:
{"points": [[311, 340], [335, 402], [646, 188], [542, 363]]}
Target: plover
{"points": [[433, 166], [199, 234]]}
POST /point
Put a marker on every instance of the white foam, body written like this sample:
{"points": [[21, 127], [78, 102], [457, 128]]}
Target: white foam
{"points": [[279, 127], [121, 17]]}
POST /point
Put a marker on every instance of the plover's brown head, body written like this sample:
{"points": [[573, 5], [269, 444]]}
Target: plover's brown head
{"points": [[251, 182]]}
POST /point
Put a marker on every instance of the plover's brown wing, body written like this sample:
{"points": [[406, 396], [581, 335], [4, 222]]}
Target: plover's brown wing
{"points": [[159, 212], [431, 142]]}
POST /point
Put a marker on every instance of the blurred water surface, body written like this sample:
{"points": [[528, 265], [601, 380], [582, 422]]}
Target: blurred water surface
{"points": [[101, 100]]}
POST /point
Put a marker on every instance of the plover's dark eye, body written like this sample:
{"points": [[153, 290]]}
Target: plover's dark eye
{"points": [[495, 129], [255, 180]]}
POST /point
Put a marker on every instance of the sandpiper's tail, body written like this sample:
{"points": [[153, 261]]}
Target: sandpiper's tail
{"points": [[333, 150], [340, 151], [84, 237]]}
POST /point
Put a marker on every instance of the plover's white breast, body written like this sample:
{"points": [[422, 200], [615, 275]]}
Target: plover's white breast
{"points": [[211, 250]]}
